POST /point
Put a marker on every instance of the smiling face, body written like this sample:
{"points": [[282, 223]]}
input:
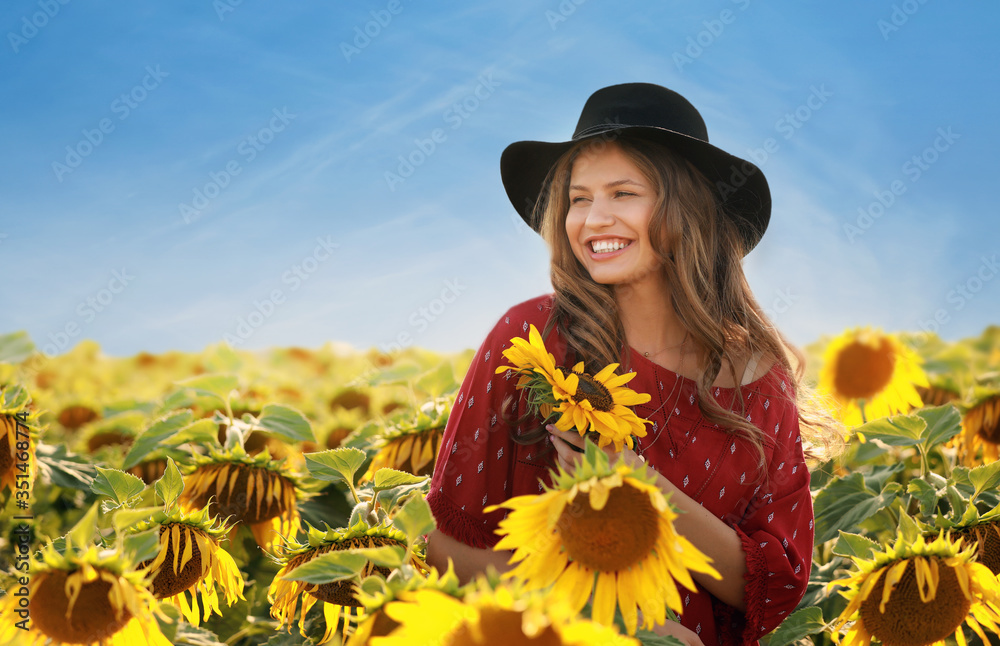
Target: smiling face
{"points": [[611, 203]]}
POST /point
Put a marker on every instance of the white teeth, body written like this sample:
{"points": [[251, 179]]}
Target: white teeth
{"points": [[606, 246]]}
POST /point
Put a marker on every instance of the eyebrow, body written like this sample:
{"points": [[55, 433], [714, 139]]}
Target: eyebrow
{"points": [[619, 182]]}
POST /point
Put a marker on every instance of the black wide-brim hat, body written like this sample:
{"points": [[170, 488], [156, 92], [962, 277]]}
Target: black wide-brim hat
{"points": [[653, 113]]}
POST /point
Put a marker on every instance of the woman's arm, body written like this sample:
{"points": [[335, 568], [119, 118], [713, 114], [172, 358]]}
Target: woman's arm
{"points": [[709, 534], [468, 561]]}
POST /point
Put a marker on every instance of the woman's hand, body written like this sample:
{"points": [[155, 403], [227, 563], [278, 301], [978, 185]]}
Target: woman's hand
{"points": [[565, 441], [568, 446], [674, 629]]}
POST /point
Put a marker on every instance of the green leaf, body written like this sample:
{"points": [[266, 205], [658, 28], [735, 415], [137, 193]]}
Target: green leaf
{"points": [[329, 567], [397, 374], [117, 485], [943, 423], [925, 494], [901, 430], [438, 381], [854, 546], [15, 347], [335, 464], [82, 534], [414, 519], [188, 635], [218, 386], [286, 422], [155, 435], [125, 517], [170, 485], [985, 477], [144, 545], [64, 469], [649, 638], [846, 502], [799, 625], [201, 432], [908, 528], [387, 556], [387, 478]]}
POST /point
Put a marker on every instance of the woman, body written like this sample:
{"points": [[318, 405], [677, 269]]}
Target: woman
{"points": [[648, 224]]}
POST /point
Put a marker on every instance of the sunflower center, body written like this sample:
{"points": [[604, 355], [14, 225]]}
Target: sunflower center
{"points": [[987, 538], [907, 620], [166, 582], [614, 538], [500, 627], [936, 396], [341, 593], [73, 417], [984, 420], [864, 371], [93, 618], [595, 392], [248, 499]]}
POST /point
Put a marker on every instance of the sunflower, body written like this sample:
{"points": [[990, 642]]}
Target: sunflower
{"points": [[190, 561], [937, 394], [980, 427], [375, 622], [82, 598], [598, 403], [254, 490], [502, 614], [529, 356], [919, 593], [412, 446], [338, 597], [76, 415], [612, 521], [986, 538], [18, 438], [871, 375]]}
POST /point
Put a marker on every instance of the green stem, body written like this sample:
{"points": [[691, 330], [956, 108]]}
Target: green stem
{"points": [[861, 405]]}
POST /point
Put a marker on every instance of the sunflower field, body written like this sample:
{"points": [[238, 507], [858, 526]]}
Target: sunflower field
{"points": [[234, 497]]}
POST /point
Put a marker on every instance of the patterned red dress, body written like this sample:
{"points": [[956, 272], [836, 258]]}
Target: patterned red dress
{"points": [[479, 465]]}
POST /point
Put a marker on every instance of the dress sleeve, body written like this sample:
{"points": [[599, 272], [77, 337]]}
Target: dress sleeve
{"points": [[776, 529], [474, 464]]}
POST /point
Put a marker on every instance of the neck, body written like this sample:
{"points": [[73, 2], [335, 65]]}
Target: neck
{"points": [[648, 317]]}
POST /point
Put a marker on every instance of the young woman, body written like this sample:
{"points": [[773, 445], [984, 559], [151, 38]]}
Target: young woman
{"points": [[648, 225]]}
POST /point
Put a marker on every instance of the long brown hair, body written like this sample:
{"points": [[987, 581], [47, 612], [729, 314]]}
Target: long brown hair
{"points": [[701, 250]]}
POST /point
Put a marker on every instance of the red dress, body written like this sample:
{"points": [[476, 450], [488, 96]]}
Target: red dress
{"points": [[479, 465]]}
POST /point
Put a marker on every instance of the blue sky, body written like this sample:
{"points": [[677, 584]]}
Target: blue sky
{"points": [[286, 118]]}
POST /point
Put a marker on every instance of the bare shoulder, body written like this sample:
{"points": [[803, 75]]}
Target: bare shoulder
{"points": [[748, 368]]}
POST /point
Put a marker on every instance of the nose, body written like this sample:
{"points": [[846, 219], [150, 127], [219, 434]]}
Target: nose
{"points": [[600, 214]]}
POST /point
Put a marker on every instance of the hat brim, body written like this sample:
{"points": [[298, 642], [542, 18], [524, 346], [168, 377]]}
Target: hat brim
{"points": [[739, 184]]}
